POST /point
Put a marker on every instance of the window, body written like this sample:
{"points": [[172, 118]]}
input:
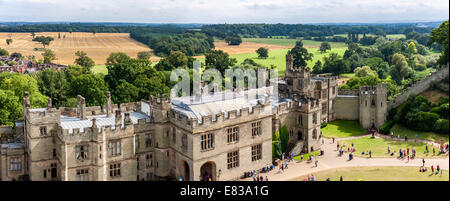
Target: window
{"points": [[15, 164], [149, 176], [256, 128], [184, 142], [45, 173], [314, 134], [324, 92], [257, 152], [148, 140], [149, 160], [207, 141], [136, 141], [174, 135], [81, 152], [300, 120], [114, 170], [314, 118], [233, 159], [114, 148], [334, 90], [54, 152], [83, 175], [233, 134], [43, 130], [324, 108]]}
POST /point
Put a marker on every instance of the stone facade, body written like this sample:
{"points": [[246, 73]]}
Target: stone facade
{"points": [[169, 139]]}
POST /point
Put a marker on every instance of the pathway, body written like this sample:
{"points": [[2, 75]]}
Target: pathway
{"points": [[331, 160]]}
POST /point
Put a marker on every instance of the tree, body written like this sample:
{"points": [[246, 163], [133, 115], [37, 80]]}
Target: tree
{"points": [[53, 84], [219, 60], [73, 71], [125, 93], [440, 36], [44, 40], [178, 59], [4, 52], [365, 71], [12, 91], [317, 69], [49, 56], [233, 40], [335, 64], [9, 41], [262, 52], [144, 55], [33, 35], [91, 87], [300, 55], [411, 48], [399, 69], [83, 60], [324, 46]]}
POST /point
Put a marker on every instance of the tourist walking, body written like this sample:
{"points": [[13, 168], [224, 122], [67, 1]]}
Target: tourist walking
{"points": [[341, 179], [316, 161], [423, 162]]}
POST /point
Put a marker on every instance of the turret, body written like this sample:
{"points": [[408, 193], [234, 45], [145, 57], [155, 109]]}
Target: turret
{"points": [[81, 110]]}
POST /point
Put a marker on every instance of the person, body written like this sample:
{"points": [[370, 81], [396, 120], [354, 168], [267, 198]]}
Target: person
{"points": [[286, 164], [337, 146], [406, 138], [434, 151], [423, 162], [426, 148], [407, 151], [316, 162], [415, 140], [333, 140], [432, 168], [408, 158], [267, 178], [341, 179], [438, 168], [301, 157], [392, 135], [328, 179], [389, 149], [323, 140], [370, 154]]}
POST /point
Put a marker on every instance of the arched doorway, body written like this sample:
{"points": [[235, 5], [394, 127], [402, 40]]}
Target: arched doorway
{"points": [[185, 172], [208, 171], [299, 136]]}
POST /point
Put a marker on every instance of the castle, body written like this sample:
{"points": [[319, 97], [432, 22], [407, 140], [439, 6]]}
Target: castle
{"points": [[212, 137]]}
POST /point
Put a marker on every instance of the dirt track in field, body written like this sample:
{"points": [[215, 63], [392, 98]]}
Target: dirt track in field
{"points": [[245, 47], [97, 46]]}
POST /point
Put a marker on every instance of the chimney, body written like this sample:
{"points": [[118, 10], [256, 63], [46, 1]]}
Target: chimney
{"points": [[26, 100], [94, 123], [127, 119], [81, 111], [108, 104], [49, 103], [118, 118]]}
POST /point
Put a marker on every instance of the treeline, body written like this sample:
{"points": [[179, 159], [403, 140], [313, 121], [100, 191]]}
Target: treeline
{"points": [[165, 40], [303, 30]]}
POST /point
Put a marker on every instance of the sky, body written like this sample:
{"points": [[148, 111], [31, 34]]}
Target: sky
{"points": [[224, 11]]}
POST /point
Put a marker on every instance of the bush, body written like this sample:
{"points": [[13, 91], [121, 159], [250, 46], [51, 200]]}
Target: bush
{"points": [[441, 126], [386, 127], [323, 125]]}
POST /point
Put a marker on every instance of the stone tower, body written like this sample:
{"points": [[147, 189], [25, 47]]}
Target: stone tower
{"points": [[297, 79], [372, 106]]}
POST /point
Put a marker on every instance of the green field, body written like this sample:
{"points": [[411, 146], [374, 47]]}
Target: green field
{"points": [[395, 36], [387, 173], [278, 57], [402, 131], [291, 42], [342, 129], [379, 146], [101, 69]]}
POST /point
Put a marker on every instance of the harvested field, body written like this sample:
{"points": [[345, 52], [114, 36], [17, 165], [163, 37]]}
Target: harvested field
{"points": [[97, 46]]}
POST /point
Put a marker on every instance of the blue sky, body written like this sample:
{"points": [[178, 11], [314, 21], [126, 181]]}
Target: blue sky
{"points": [[224, 11]]}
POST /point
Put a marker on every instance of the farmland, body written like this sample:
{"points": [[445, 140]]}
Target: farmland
{"points": [[97, 46]]}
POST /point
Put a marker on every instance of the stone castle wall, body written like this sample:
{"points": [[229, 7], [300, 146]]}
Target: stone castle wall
{"points": [[418, 87]]}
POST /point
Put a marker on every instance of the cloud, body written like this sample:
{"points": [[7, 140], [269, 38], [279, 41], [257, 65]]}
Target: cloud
{"points": [[220, 11]]}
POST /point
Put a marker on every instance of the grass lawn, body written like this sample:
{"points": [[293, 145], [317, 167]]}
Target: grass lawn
{"points": [[387, 173], [291, 42], [378, 146], [100, 69], [395, 36], [278, 57], [343, 128], [402, 131], [306, 156]]}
